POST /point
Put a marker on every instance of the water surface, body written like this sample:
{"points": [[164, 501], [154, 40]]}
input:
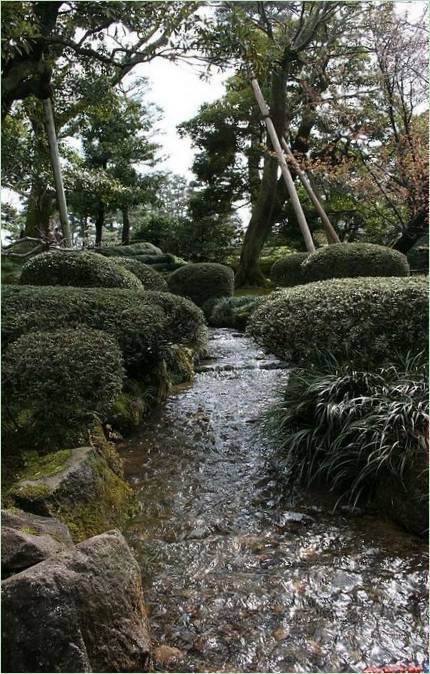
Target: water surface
{"points": [[238, 575]]}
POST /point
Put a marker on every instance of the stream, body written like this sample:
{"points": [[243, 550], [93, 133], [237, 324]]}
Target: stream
{"points": [[242, 577]]}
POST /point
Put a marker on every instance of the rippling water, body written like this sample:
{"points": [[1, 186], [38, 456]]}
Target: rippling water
{"points": [[238, 577]]}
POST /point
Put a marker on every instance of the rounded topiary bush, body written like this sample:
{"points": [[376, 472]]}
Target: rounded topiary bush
{"points": [[140, 248], [288, 270], [202, 281], [62, 378], [349, 260], [150, 278], [185, 322], [82, 270], [363, 319], [138, 324]]}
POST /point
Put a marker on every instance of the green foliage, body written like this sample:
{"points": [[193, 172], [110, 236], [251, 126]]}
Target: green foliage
{"points": [[231, 312], [84, 270], [64, 378], [185, 323], [150, 278], [139, 248], [348, 260], [361, 319], [202, 281], [355, 429], [138, 325], [288, 270]]}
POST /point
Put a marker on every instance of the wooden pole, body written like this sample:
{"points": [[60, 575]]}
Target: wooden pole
{"points": [[58, 176], [298, 210], [331, 233]]}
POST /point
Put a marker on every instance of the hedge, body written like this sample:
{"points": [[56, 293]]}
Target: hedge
{"points": [[349, 260], [137, 325], [144, 322], [202, 281], [288, 270], [82, 270], [63, 378], [150, 278], [360, 319], [142, 248], [231, 312], [185, 322]]}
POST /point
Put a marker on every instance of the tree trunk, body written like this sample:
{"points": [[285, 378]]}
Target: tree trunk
{"points": [[100, 220], [249, 273], [125, 236], [413, 231], [39, 209]]}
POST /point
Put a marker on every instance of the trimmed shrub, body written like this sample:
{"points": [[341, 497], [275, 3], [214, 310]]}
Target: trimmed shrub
{"points": [[288, 271], [349, 260], [138, 325], [164, 258], [233, 312], [82, 270], [63, 378], [202, 281], [362, 432], [361, 319], [185, 322], [150, 278], [418, 258], [141, 248]]}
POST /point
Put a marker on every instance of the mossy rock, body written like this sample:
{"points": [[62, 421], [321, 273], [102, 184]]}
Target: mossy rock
{"points": [[76, 486]]}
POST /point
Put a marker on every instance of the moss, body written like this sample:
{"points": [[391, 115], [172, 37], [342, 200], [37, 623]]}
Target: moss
{"points": [[36, 466], [30, 530], [128, 412], [180, 365], [29, 492], [114, 505]]}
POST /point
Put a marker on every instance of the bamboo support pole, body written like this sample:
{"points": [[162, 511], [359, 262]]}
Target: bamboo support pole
{"points": [[332, 236], [298, 210], [58, 176]]}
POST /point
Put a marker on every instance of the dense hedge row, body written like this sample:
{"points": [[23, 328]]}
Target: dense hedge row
{"points": [[137, 326], [201, 281], [349, 260], [141, 248], [78, 269], [142, 322], [62, 378], [150, 278], [288, 270], [366, 318]]}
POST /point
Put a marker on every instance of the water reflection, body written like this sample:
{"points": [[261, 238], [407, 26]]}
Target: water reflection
{"points": [[241, 578]]}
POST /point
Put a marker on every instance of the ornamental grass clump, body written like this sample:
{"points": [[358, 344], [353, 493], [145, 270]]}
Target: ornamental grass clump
{"points": [[357, 430], [362, 320], [349, 260], [201, 281], [62, 379], [150, 278], [79, 269], [288, 270]]}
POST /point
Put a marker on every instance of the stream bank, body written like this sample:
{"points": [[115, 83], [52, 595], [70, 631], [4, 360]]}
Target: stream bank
{"points": [[237, 576]]}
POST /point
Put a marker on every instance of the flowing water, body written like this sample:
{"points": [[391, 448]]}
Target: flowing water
{"points": [[242, 578]]}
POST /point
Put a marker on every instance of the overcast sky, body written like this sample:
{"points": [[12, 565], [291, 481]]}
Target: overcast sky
{"points": [[179, 92]]}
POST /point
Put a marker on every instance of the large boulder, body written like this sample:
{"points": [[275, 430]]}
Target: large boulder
{"points": [[81, 611], [28, 539], [77, 486]]}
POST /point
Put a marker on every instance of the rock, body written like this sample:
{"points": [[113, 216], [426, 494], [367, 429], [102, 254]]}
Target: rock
{"points": [[167, 655], [80, 611], [28, 539], [81, 490]]}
